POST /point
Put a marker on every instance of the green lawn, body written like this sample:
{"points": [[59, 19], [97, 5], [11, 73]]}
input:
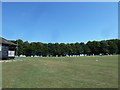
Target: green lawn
{"points": [[61, 72]]}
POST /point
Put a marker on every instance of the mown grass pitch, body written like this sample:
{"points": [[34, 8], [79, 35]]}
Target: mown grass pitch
{"points": [[61, 72]]}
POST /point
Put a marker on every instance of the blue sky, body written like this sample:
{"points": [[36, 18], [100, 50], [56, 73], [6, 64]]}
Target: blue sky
{"points": [[66, 22]]}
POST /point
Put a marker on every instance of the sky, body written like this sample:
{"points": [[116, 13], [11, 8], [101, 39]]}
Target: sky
{"points": [[61, 22]]}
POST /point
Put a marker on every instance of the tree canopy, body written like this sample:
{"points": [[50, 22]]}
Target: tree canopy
{"points": [[103, 47]]}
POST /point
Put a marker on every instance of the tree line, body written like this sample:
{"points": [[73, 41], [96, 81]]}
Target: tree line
{"points": [[103, 47]]}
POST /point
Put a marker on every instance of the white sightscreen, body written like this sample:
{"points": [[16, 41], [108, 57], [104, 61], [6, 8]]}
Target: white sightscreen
{"points": [[11, 53]]}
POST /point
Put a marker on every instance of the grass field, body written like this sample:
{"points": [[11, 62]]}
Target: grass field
{"points": [[61, 72]]}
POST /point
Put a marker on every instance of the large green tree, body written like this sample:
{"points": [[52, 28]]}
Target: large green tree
{"points": [[19, 48], [104, 47], [27, 49]]}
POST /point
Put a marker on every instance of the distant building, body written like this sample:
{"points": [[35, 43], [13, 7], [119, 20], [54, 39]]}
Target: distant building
{"points": [[5, 51]]}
